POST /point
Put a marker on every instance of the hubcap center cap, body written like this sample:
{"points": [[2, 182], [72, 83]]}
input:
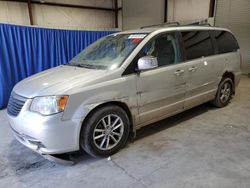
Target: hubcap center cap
{"points": [[226, 92], [108, 131]]}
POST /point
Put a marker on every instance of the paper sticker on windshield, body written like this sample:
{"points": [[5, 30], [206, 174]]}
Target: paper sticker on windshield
{"points": [[141, 36], [136, 40]]}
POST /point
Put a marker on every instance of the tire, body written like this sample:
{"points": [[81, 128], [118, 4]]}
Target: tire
{"points": [[224, 93], [99, 141]]}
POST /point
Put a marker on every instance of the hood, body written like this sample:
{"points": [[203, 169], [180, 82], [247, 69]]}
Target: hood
{"points": [[56, 81]]}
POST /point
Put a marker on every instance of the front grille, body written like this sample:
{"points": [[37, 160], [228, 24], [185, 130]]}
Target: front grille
{"points": [[15, 104]]}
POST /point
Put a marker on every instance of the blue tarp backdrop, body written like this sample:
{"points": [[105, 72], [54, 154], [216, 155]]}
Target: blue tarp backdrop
{"points": [[27, 50]]}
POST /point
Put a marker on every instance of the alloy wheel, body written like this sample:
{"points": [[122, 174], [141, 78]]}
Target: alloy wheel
{"points": [[225, 92], [108, 132]]}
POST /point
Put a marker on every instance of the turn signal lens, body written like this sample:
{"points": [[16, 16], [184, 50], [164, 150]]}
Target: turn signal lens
{"points": [[61, 102]]}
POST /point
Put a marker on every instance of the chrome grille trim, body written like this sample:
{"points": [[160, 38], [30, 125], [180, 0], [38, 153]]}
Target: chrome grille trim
{"points": [[15, 104]]}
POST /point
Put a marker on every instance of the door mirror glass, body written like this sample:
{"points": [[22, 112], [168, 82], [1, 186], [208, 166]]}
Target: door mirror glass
{"points": [[147, 62]]}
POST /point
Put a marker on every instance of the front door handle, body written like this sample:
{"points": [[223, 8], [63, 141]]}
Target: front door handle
{"points": [[192, 69], [179, 72]]}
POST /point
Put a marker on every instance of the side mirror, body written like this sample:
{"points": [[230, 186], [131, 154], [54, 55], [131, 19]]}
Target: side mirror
{"points": [[147, 62]]}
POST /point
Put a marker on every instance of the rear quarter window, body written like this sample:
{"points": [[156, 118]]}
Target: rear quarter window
{"points": [[197, 44], [225, 42]]}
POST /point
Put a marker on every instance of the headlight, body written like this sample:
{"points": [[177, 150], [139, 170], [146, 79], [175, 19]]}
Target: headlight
{"points": [[49, 105]]}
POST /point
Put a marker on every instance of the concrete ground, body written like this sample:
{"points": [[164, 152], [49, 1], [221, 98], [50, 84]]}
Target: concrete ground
{"points": [[203, 147]]}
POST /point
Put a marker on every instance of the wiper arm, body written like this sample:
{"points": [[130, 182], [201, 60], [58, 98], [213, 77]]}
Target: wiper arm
{"points": [[80, 65], [86, 66]]}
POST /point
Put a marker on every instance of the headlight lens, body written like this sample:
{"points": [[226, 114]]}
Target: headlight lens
{"points": [[49, 105]]}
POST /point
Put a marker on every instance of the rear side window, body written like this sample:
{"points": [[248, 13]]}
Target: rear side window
{"points": [[225, 42], [197, 44]]}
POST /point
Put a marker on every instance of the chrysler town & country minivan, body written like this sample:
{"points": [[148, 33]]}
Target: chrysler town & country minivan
{"points": [[121, 83]]}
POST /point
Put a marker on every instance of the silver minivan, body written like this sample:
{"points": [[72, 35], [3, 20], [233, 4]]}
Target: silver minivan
{"points": [[121, 83]]}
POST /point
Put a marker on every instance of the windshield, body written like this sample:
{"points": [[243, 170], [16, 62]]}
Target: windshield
{"points": [[108, 52]]}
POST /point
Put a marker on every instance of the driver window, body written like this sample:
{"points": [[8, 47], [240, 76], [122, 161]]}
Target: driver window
{"points": [[165, 48]]}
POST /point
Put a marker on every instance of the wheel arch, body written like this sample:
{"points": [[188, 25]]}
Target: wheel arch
{"points": [[120, 104]]}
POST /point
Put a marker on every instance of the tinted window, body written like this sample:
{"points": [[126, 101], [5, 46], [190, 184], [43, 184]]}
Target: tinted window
{"points": [[197, 44], [225, 42]]}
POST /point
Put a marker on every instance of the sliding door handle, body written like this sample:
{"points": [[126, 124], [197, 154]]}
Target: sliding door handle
{"points": [[179, 72], [192, 69]]}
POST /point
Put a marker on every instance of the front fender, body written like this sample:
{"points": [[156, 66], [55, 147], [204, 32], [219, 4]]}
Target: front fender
{"points": [[86, 99]]}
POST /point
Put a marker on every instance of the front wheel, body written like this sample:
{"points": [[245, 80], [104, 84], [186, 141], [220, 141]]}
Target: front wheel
{"points": [[105, 131], [224, 93]]}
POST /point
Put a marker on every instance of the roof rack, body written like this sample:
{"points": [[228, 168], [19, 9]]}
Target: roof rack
{"points": [[167, 24], [170, 24], [199, 24]]}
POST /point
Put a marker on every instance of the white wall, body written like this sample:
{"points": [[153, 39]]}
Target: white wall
{"points": [[15, 13], [61, 17], [137, 13], [51, 16], [185, 10]]}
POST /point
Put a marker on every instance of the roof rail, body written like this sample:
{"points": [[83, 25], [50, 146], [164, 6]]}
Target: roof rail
{"points": [[199, 24], [167, 24]]}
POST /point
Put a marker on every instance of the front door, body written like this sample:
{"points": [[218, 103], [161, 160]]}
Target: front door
{"points": [[161, 91]]}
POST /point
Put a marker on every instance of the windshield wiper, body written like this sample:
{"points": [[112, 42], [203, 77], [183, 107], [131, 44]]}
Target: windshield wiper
{"points": [[81, 65], [86, 66]]}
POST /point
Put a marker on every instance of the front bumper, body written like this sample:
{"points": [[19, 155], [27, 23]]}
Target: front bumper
{"points": [[45, 134]]}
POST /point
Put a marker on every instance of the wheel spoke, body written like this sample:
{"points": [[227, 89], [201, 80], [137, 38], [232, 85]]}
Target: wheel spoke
{"points": [[109, 120], [114, 123], [103, 141], [107, 143], [222, 97], [117, 134], [226, 97], [223, 88], [113, 138], [99, 130], [117, 126], [104, 123], [99, 136]]}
